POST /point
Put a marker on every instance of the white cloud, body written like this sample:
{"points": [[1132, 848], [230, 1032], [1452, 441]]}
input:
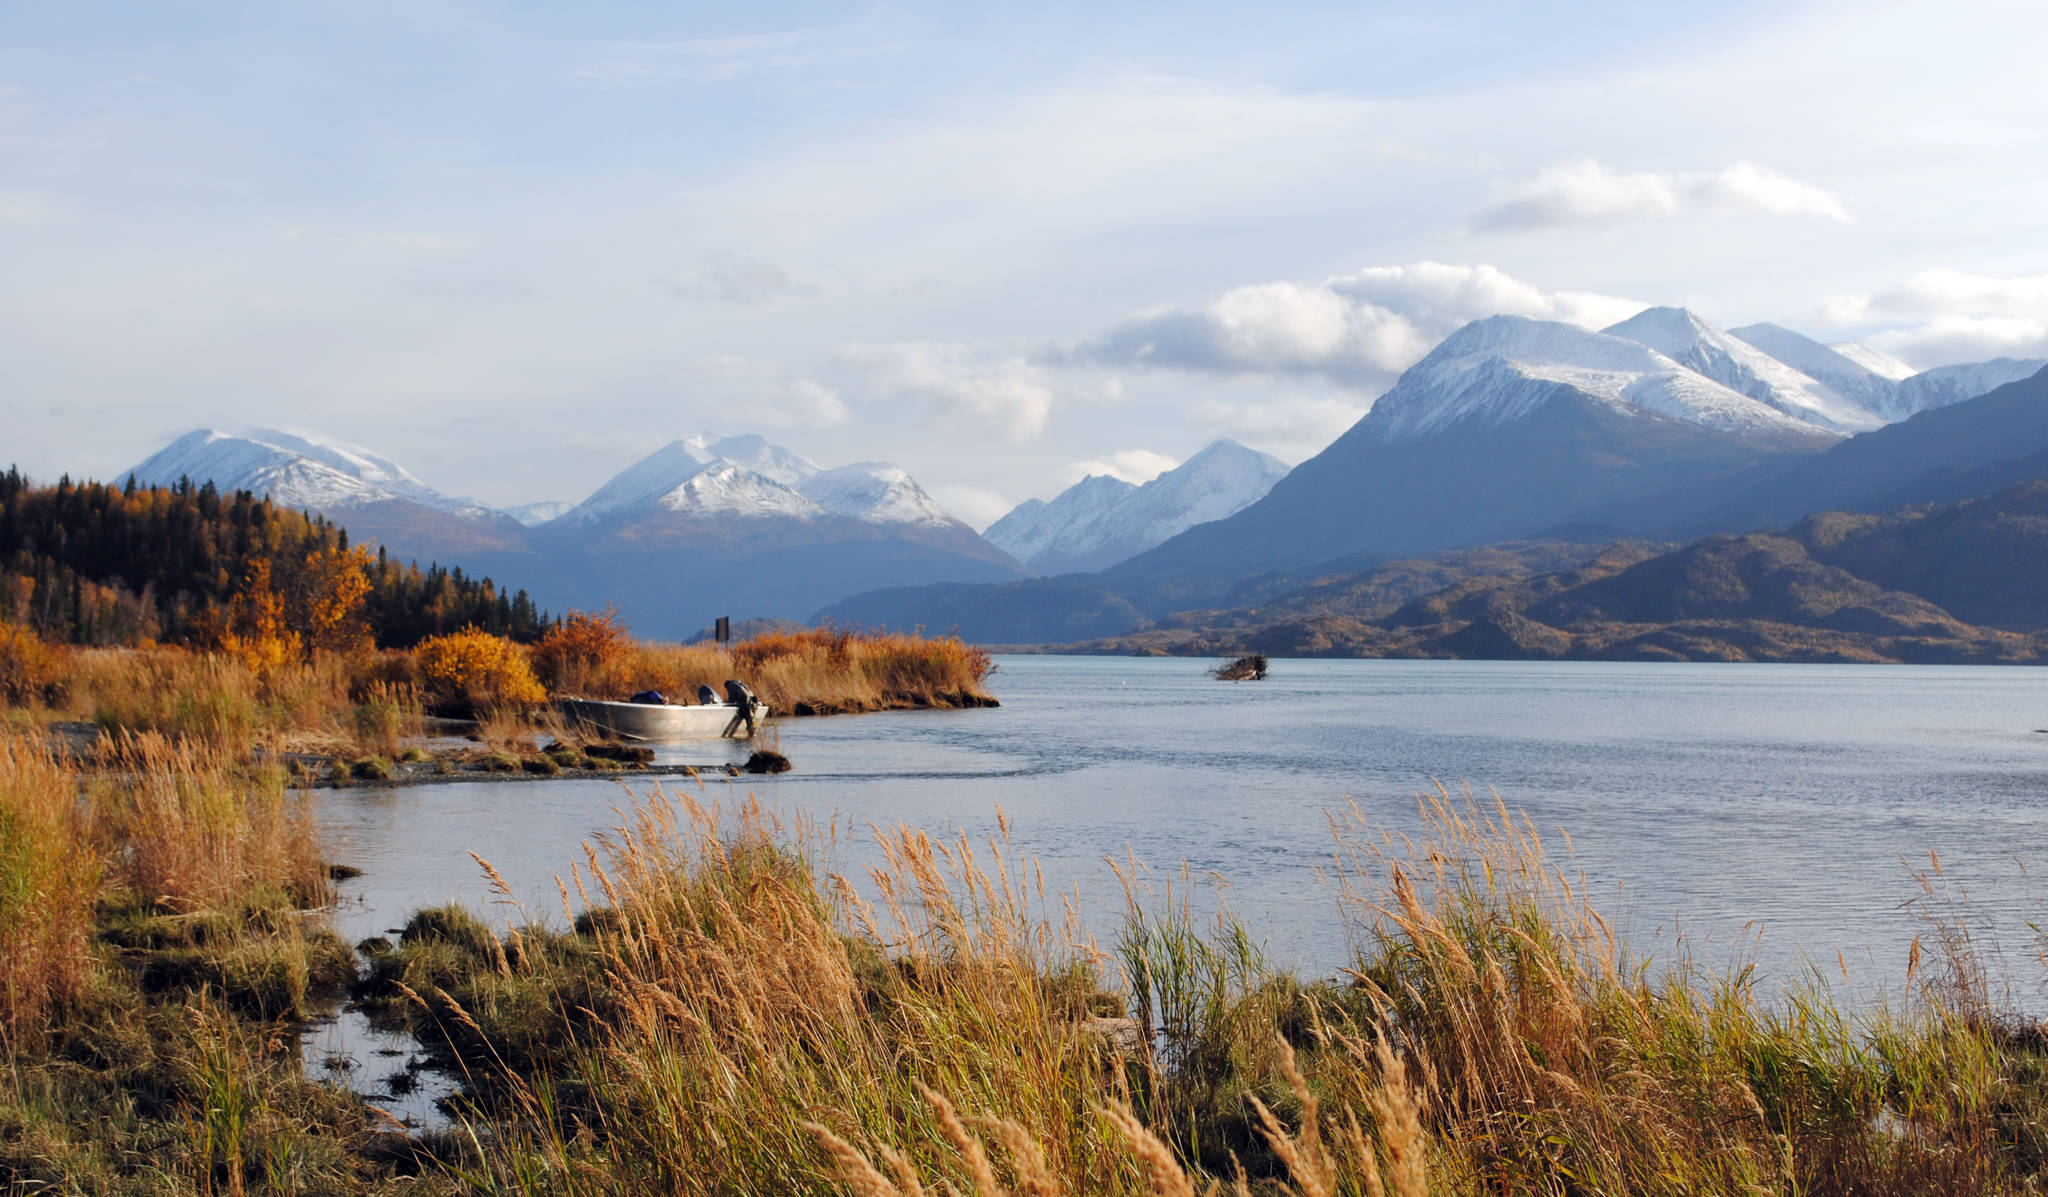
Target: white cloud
{"points": [[729, 277], [1360, 330], [976, 506], [1585, 193], [1291, 429], [1006, 393], [1137, 466], [760, 394], [1938, 317]]}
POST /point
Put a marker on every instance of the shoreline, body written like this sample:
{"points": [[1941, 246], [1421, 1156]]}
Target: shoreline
{"points": [[419, 773]]}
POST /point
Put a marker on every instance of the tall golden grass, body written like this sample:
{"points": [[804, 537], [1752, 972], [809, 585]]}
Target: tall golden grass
{"points": [[820, 671], [744, 1025], [187, 827], [49, 876]]}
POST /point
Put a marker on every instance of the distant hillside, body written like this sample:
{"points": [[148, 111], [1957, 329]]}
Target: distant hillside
{"points": [[1030, 611], [1963, 582]]}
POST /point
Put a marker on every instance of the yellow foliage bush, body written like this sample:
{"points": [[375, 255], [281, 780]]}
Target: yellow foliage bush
{"points": [[31, 669], [475, 669]]}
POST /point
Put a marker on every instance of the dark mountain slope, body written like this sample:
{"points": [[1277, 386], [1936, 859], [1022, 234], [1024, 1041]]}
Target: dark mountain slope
{"points": [[1956, 452], [1477, 481], [1985, 560]]}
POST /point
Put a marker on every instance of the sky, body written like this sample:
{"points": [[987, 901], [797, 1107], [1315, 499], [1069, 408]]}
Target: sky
{"points": [[517, 247]]}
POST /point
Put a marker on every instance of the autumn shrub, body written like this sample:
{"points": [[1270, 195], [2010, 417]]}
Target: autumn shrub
{"points": [[476, 671], [32, 671], [581, 650], [48, 876]]}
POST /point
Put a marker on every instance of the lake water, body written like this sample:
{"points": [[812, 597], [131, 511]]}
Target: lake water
{"points": [[1779, 812]]}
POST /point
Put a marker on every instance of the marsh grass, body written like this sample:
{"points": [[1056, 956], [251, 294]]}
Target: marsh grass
{"points": [[722, 1017], [49, 876], [157, 945], [188, 827]]}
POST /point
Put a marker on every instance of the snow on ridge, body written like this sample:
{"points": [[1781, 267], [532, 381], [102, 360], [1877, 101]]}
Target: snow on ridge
{"points": [[1877, 361], [252, 462], [295, 469], [709, 474], [1101, 520], [1740, 366], [1502, 368], [1072, 518], [876, 492], [1846, 376], [1944, 385], [729, 489]]}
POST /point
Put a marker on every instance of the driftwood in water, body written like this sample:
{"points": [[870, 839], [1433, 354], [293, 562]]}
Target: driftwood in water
{"points": [[1244, 669]]}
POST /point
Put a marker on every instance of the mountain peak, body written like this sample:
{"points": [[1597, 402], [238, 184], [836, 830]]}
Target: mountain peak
{"points": [[295, 469], [712, 474], [1742, 367], [1102, 520], [875, 492], [1504, 368]]}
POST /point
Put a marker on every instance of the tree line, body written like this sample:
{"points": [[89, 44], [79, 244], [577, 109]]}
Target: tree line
{"points": [[90, 563]]}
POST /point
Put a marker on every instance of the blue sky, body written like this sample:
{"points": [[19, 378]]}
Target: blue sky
{"points": [[518, 246]]}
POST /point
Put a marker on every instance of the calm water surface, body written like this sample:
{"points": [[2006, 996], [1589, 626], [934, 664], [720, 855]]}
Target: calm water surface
{"points": [[1798, 801]]}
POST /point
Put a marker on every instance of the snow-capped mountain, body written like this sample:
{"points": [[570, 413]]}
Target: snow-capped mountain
{"points": [[724, 488], [1100, 520], [1883, 385], [875, 492], [372, 497], [649, 483], [1501, 369], [709, 475], [1944, 385], [711, 525], [293, 469], [1852, 377], [1877, 361], [1740, 366], [1078, 519]]}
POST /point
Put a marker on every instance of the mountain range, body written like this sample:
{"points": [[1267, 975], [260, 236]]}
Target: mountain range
{"points": [[1662, 427], [702, 526], [1512, 428]]}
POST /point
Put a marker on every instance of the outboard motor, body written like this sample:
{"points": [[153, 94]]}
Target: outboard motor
{"points": [[706, 696], [737, 694]]}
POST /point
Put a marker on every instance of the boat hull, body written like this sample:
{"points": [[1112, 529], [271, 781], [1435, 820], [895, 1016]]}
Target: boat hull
{"points": [[646, 721]]}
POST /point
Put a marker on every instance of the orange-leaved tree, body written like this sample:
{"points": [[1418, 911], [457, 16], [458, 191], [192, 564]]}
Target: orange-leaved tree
{"points": [[576, 652], [317, 607]]}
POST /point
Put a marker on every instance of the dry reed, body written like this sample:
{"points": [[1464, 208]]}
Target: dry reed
{"points": [[192, 828], [48, 878]]}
